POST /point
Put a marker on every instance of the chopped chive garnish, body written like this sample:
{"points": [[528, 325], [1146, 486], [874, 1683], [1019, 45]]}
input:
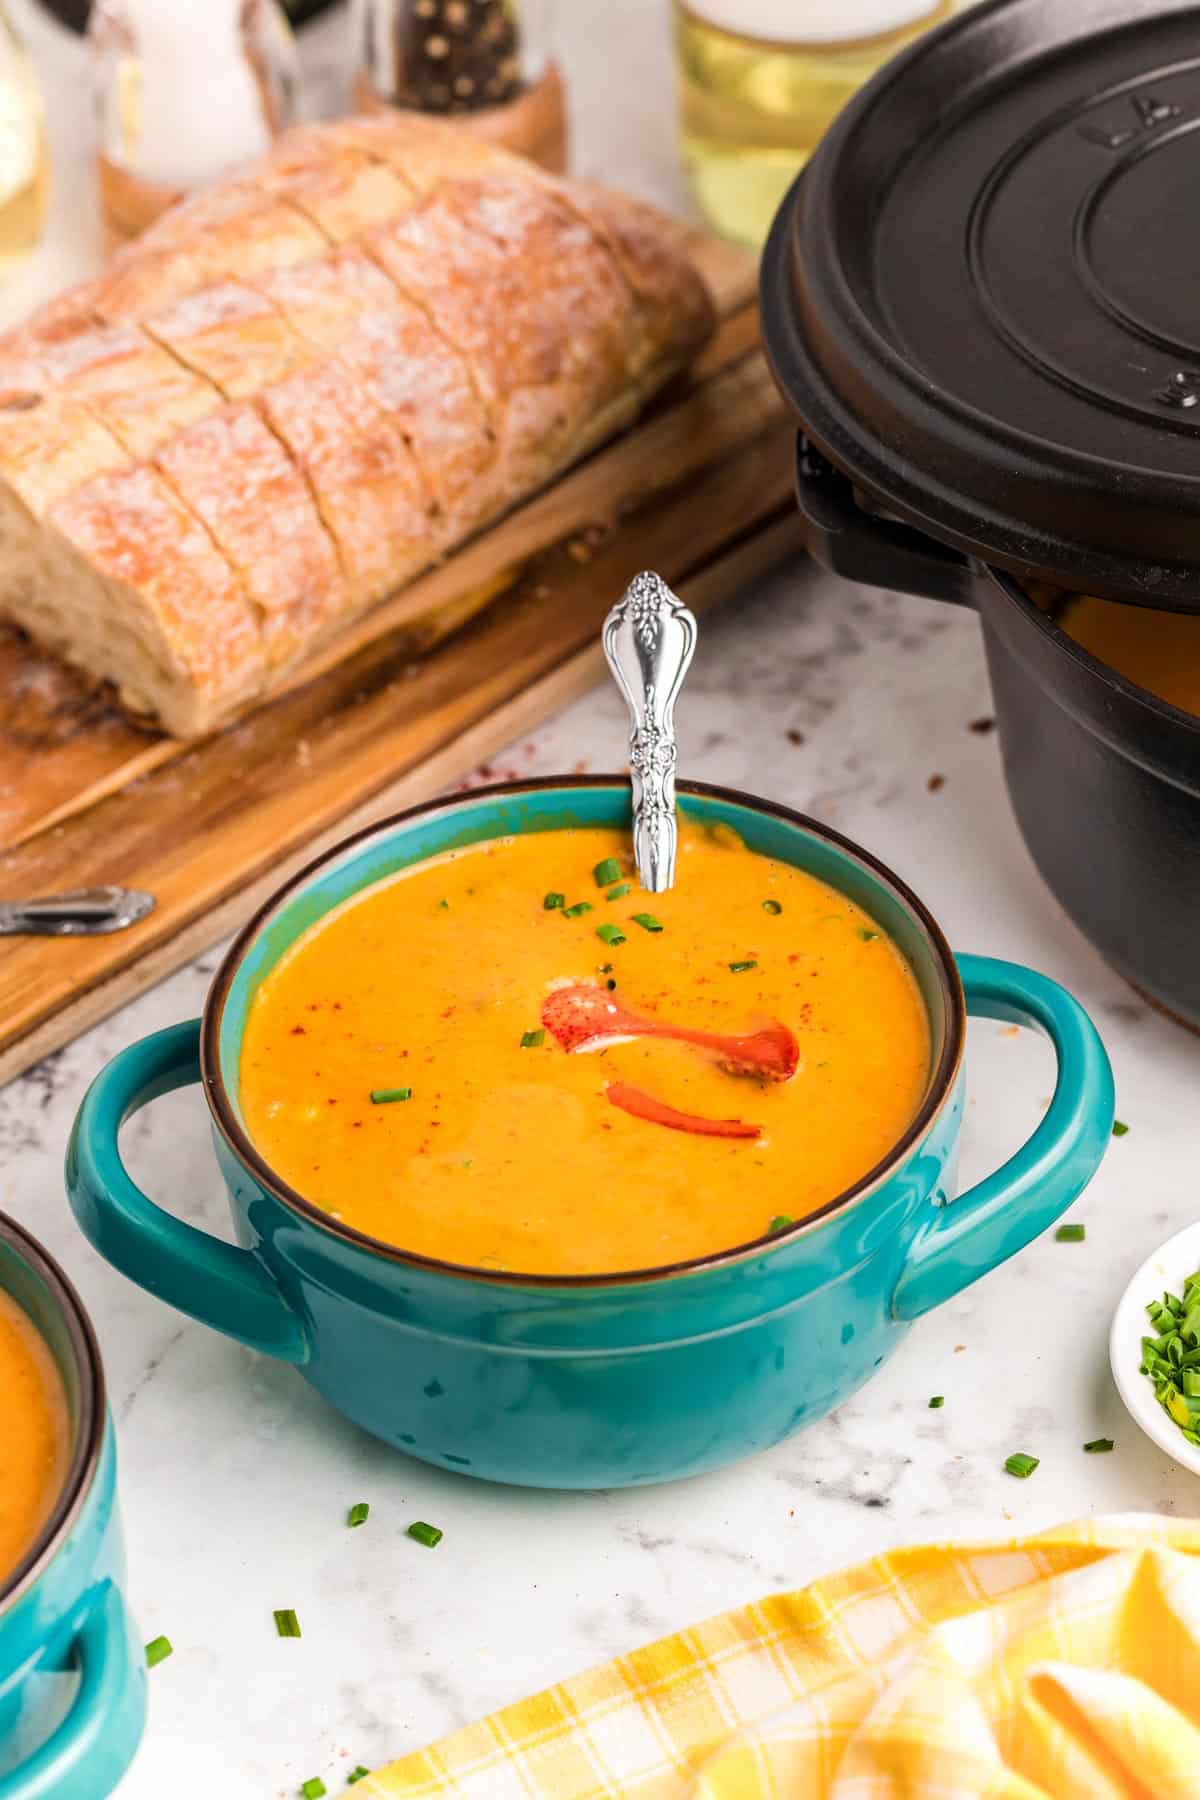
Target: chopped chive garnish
{"points": [[1070, 1234], [1098, 1446], [552, 902], [773, 907], [936, 1400], [158, 1650], [604, 968], [606, 872], [532, 1040], [610, 984], [780, 1222], [577, 911], [612, 935], [286, 1622], [313, 1788], [359, 1774], [619, 892], [386, 1096], [443, 906], [868, 937], [647, 921], [1020, 1465], [429, 1535], [1119, 1128], [359, 1513], [739, 968]]}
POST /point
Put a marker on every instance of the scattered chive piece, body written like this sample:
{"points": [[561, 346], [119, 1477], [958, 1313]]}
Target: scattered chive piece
{"points": [[359, 1774], [772, 906], [1119, 1128], [385, 1096], [1070, 1234], [313, 1788], [552, 902], [739, 968], [359, 1513], [577, 911], [610, 934], [610, 984], [1098, 1446], [443, 906], [606, 872], [1020, 1465], [429, 1535], [868, 937], [780, 1222], [158, 1650], [286, 1622], [532, 1040], [937, 1400], [647, 921], [619, 892], [604, 968]]}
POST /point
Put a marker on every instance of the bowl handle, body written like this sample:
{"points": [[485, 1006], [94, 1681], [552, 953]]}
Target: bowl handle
{"points": [[90, 1750], [225, 1287], [1003, 1212], [863, 546]]}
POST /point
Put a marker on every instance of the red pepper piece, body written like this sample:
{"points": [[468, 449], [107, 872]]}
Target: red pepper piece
{"points": [[584, 1014], [642, 1105]]}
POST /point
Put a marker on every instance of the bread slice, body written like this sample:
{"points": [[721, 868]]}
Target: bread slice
{"points": [[297, 390]]}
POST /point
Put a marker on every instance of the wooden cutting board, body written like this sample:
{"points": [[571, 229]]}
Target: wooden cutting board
{"points": [[398, 708]]}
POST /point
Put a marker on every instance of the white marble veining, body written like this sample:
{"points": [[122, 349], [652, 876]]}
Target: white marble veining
{"points": [[236, 1479]]}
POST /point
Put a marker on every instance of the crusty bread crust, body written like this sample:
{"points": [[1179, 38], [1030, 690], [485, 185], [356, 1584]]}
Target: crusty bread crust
{"points": [[301, 387]]}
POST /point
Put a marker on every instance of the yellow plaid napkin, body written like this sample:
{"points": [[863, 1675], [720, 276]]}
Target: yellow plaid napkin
{"points": [[1064, 1665]]}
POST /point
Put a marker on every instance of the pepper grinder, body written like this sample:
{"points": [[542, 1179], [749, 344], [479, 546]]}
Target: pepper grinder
{"points": [[183, 93], [486, 64]]}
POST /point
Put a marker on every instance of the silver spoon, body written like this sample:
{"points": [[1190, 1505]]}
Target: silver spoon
{"points": [[649, 638], [90, 913]]}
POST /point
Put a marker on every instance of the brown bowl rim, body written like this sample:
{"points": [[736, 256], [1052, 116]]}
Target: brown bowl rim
{"points": [[941, 1081], [88, 1434]]}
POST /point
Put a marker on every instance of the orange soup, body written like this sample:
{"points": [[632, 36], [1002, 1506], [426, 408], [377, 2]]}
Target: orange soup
{"points": [[417, 1066], [1158, 651], [33, 1434]]}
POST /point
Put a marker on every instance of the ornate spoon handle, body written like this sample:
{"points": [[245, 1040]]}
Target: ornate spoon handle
{"points": [[91, 913], [649, 638]]}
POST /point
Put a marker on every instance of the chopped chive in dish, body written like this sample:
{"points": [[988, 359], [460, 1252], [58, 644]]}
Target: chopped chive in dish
{"points": [[619, 892], [740, 968], [359, 1513], [1097, 1446], [606, 872], [429, 1535], [577, 911], [553, 902], [780, 1222], [358, 1774], [1021, 1465], [1070, 1234], [532, 1040], [936, 1400], [612, 935], [389, 1096], [313, 1788], [647, 921], [1119, 1128], [286, 1622], [773, 907], [867, 936], [158, 1650], [1171, 1358]]}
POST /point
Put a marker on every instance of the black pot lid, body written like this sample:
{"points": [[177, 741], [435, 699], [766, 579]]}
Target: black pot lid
{"points": [[982, 297]]}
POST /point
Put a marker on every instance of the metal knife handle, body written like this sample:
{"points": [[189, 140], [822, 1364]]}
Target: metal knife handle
{"points": [[90, 913], [649, 639]]}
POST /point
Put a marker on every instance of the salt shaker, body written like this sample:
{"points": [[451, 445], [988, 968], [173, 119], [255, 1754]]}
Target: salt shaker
{"points": [[184, 91], [486, 64]]}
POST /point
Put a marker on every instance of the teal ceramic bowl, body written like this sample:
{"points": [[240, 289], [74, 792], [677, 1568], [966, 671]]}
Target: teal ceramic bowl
{"points": [[72, 1668], [617, 1379]]}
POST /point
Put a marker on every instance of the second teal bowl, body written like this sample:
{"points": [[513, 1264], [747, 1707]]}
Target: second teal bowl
{"points": [[610, 1380]]}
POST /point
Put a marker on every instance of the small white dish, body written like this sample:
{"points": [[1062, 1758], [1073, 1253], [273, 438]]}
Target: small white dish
{"points": [[1167, 1268]]}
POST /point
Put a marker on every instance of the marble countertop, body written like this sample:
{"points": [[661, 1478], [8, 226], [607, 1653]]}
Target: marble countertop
{"points": [[866, 710]]}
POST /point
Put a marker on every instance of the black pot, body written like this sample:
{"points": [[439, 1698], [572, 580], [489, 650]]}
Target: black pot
{"points": [[972, 299]]}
